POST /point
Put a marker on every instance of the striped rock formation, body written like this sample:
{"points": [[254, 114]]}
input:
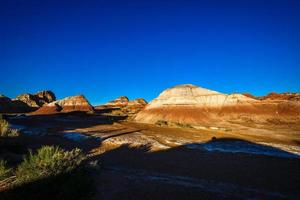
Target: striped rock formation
{"points": [[189, 104], [68, 104], [122, 106]]}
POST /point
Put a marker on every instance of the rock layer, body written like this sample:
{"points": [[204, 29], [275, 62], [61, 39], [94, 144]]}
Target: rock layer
{"points": [[189, 104]]}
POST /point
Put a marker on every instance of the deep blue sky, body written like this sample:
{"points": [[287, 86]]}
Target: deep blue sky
{"points": [[104, 49]]}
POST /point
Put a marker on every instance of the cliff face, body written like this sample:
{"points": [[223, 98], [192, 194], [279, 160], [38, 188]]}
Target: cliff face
{"points": [[189, 104]]}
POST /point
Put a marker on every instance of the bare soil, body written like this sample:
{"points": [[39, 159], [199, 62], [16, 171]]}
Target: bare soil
{"points": [[142, 161]]}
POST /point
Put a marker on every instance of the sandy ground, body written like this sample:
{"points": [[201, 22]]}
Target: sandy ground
{"points": [[237, 161]]}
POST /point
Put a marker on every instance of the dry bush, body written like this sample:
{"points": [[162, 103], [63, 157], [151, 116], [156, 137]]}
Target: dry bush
{"points": [[50, 173], [48, 161], [5, 130]]}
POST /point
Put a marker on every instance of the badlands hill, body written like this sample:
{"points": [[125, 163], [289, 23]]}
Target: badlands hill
{"points": [[123, 106], [123, 101], [189, 104], [37, 100], [68, 104], [26, 102]]}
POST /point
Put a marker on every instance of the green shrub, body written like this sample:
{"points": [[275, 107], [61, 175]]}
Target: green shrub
{"points": [[48, 161], [5, 130], [5, 171]]}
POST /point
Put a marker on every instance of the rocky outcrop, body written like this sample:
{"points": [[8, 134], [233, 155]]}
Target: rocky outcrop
{"points": [[135, 106], [69, 104], [45, 97], [189, 104], [273, 96], [25, 102], [29, 99], [122, 106], [119, 102], [36, 100], [6, 104], [138, 102], [249, 95], [282, 96], [13, 106]]}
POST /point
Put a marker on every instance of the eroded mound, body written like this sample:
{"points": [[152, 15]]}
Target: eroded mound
{"points": [[26, 102], [68, 104], [122, 106], [189, 104]]}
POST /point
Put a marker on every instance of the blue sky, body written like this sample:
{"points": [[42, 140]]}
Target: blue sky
{"points": [[105, 49]]}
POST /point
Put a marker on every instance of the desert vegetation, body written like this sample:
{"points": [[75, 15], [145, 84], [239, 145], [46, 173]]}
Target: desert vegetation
{"points": [[6, 130], [48, 161], [48, 172], [174, 124], [161, 123]]}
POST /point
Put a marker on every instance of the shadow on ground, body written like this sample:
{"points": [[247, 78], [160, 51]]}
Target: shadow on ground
{"points": [[64, 121], [77, 184], [186, 172], [38, 130], [50, 131]]}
